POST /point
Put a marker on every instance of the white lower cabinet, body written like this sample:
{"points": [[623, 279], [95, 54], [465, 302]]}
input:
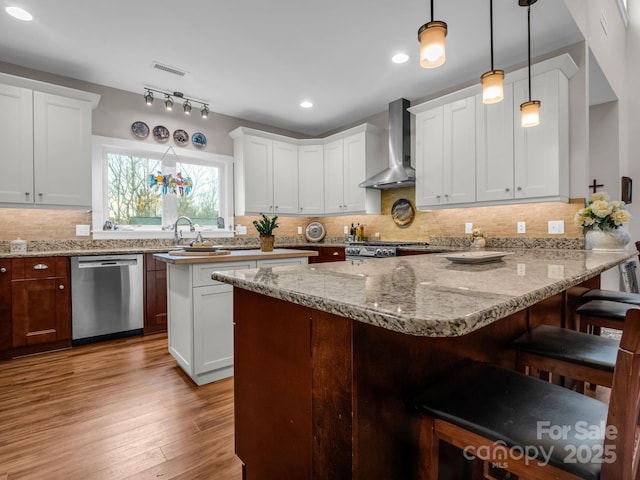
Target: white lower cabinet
{"points": [[200, 316]]}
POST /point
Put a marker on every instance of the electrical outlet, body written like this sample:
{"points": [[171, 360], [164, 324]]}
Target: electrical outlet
{"points": [[299, 230], [522, 227], [346, 230], [468, 227], [83, 230], [521, 269], [556, 227], [241, 229]]}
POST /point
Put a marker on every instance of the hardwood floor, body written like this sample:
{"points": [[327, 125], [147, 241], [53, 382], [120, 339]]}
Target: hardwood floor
{"points": [[114, 410]]}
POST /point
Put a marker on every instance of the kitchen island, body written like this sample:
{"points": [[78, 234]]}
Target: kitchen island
{"points": [[200, 309], [328, 356]]}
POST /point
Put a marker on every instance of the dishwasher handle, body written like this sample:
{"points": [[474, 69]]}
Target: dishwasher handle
{"points": [[108, 263]]}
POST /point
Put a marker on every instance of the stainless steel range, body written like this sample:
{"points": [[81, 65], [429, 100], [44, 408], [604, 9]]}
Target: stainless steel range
{"points": [[364, 250]]}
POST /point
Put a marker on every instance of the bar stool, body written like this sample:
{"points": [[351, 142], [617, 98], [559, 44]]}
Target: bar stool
{"points": [[567, 353], [519, 422]]}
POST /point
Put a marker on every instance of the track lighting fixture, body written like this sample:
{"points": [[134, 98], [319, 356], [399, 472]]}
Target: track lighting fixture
{"points": [[432, 47], [530, 110], [492, 81], [148, 97], [169, 101]]}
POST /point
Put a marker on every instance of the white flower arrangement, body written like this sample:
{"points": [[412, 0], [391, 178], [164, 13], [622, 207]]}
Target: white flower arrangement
{"points": [[602, 213]]}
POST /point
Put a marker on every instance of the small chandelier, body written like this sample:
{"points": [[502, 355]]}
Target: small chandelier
{"points": [[168, 101], [530, 110], [492, 81], [431, 37]]}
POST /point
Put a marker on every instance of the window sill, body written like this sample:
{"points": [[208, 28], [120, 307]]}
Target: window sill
{"points": [[125, 234]]}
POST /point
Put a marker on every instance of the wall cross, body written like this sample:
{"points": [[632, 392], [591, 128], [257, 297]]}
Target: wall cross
{"points": [[595, 185]]}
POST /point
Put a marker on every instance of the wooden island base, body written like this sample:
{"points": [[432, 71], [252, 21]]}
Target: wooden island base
{"points": [[319, 396]]}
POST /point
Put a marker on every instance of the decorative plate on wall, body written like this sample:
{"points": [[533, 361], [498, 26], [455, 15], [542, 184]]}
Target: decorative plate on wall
{"points": [[181, 137], [199, 140], [140, 129], [314, 232], [160, 133], [402, 212]]}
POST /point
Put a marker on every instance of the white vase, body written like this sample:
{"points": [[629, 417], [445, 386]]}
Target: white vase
{"points": [[606, 240], [479, 242]]}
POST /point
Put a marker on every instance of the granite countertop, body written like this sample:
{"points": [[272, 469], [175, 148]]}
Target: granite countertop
{"points": [[234, 255], [427, 295]]}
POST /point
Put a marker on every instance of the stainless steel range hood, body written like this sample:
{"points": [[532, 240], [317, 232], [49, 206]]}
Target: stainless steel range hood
{"points": [[400, 173]]}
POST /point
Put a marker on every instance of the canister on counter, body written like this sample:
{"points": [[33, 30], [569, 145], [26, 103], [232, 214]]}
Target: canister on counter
{"points": [[18, 246]]}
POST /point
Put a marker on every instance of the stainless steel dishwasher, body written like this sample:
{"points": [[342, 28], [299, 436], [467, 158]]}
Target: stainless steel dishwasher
{"points": [[106, 297]]}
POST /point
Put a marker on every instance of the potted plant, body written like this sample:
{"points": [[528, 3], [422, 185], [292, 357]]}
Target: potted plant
{"points": [[265, 227], [601, 221]]}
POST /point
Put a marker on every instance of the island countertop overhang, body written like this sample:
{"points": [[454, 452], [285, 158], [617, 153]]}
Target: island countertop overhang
{"points": [[427, 295]]}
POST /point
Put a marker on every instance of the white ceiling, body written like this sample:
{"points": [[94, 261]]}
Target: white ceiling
{"points": [[258, 59]]}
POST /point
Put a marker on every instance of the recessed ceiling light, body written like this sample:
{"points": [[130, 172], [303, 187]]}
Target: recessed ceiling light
{"points": [[19, 13], [400, 58], [306, 104]]}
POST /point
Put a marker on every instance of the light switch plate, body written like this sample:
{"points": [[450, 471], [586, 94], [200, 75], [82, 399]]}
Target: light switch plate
{"points": [[522, 227], [83, 230], [556, 227], [241, 229], [299, 230], [346, 230], [468, 227]]}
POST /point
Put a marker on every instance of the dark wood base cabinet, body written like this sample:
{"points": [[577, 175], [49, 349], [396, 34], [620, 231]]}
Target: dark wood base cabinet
{"points": [[155, 295], [319, 396], [325, 253], [5, 308], [40, 304]]}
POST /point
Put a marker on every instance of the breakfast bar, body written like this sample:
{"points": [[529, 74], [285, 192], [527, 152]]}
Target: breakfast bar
{"points": [[327, 356]]}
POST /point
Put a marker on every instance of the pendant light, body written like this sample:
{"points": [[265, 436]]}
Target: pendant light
{"points": [[530, 110], [492, 81], [431, 37]]}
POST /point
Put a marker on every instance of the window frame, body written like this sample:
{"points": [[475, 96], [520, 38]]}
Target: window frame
{"points": [[101, 146]]}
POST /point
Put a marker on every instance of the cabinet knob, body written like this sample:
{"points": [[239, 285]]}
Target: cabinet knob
{"points": [[506, 189], [3, 270], [300, 208], [40, 194], [61, 287], [276, 208], [519, 189], [27, 193], [446, 195], [438, 196]]}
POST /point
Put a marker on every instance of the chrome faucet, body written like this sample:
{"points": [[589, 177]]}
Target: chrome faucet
{"points": [[176, 237]]}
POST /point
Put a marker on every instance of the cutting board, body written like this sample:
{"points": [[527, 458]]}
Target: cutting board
{"points": [[182, 253]]}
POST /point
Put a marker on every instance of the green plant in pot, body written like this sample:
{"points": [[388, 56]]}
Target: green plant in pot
{"points": [[265, 227]]}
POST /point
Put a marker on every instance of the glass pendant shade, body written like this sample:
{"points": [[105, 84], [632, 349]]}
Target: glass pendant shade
{"points": [[492, 86], [432, 47], [530, 113]]}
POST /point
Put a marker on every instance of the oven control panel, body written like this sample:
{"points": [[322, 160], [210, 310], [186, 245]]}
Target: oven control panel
{"points": [[370, 251]]}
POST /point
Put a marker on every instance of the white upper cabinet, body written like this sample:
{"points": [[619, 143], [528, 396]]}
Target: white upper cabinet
{"points": [[266, 175], [45, 131], [311, 179], [542, 152], [468, 153], [281, 175], [285, 178], [16, 138], [494, 152], [61, 150], [446, 154]]}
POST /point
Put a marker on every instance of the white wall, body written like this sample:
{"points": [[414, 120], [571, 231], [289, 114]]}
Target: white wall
{"points": [[631, 166], [604, 149]]}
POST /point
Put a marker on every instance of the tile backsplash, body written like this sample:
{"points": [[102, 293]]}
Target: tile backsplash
{"points": [[495, 221]]}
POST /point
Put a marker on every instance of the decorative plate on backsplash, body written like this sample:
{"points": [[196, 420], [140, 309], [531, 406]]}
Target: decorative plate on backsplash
{"points": [[402, 212], [314, 232]]}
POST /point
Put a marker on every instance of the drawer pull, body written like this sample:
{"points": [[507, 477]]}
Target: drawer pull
{"points": [[61, 287], [335, 254], [40, 266], [3, 270]]}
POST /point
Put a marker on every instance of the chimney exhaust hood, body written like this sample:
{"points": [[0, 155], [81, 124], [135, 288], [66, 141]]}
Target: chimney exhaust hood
{"points": [[400, 173]]}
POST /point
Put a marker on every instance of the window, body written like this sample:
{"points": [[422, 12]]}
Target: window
{"points": [[142, 187]]}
